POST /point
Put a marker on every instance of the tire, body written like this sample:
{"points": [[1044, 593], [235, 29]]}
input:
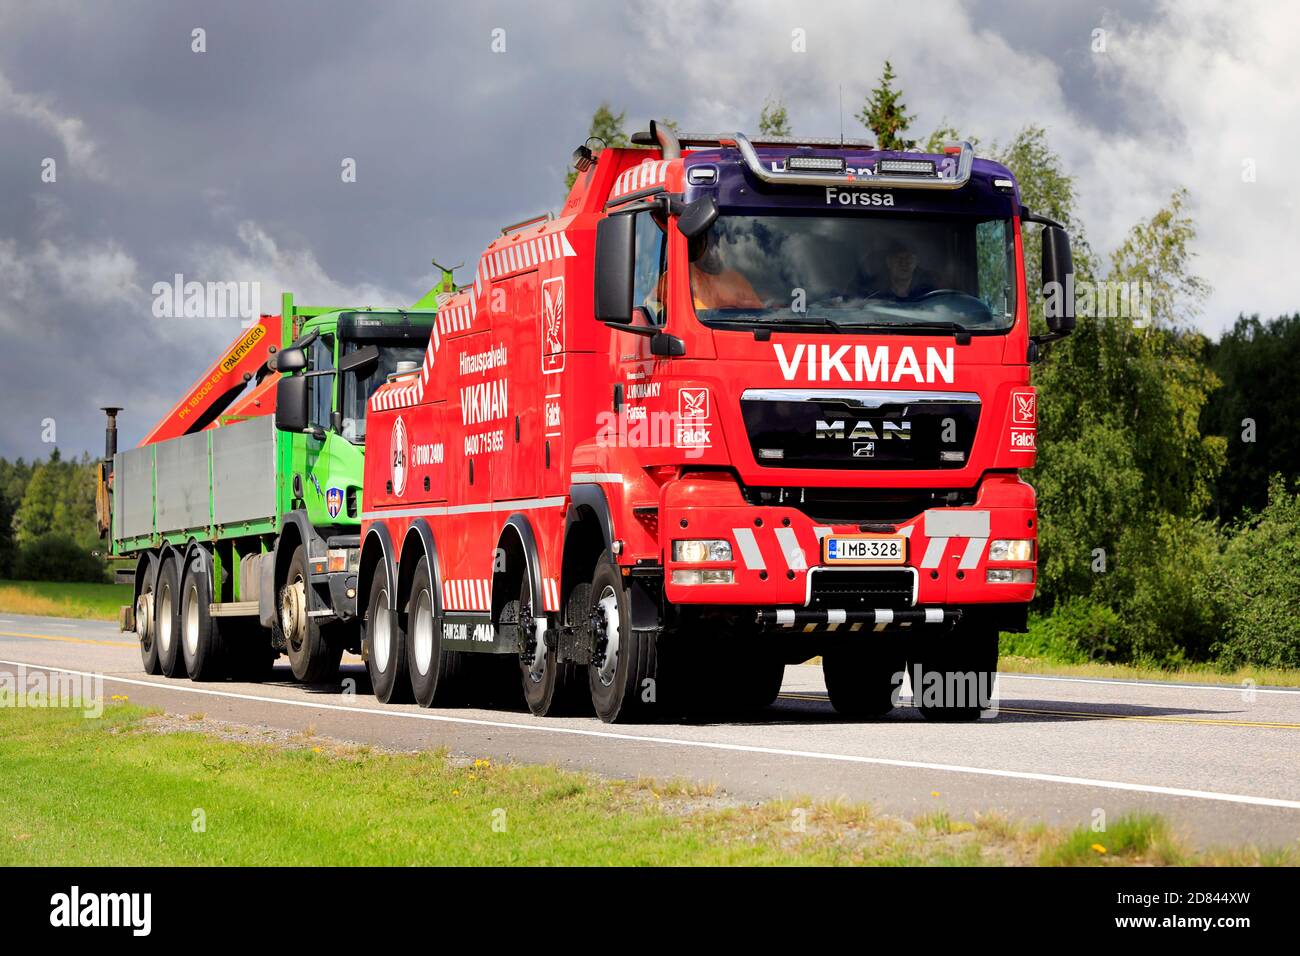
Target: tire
{"points": [[759, 682], [861, 677], [622, 677], [203, 645], [167, 618], [251, 653], [313, 653], [551, 688], [146, 627], [955, 660], [385, 641], [436, 676]]}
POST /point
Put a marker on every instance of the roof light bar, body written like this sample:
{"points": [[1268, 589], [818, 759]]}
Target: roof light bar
{"points": [[793, 176], [910, 167], [821, 164]]}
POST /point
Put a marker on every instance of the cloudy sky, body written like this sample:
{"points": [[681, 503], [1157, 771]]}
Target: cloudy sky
{"points": [[225, 165]]}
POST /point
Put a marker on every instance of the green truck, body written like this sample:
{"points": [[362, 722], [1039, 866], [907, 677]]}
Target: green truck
{"points": [[242, 508]]}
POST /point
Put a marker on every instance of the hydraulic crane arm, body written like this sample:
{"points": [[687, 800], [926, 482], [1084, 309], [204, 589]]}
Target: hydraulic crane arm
{"points": [[222, 383]]}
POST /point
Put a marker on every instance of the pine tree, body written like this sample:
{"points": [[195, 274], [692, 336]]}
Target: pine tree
{"points": [[886, 115]]}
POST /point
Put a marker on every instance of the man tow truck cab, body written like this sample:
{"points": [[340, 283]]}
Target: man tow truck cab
{"points": [[767, 400]]}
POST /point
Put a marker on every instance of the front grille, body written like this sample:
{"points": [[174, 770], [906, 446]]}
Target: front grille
{"points": [[872, 506], [856, 589], [860, 429]]}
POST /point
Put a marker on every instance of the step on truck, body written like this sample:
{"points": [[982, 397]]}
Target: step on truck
{"points": [[242, 506], [743, 403]]}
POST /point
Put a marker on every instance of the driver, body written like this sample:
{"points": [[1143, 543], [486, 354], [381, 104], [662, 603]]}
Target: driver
{"points": [[900, 273], [712, 284]]}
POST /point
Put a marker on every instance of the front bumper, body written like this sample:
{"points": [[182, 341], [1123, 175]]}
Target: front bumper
{"points": [[777, 554]]}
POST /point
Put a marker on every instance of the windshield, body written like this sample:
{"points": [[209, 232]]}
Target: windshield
{"points": [[357, 390], [846, 273]]}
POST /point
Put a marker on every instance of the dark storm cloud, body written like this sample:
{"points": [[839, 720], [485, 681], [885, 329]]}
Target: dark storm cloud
{"points": [[225, 165]]}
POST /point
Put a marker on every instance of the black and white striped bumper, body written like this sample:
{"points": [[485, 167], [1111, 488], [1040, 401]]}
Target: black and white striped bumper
{"points": [[808, 620]]}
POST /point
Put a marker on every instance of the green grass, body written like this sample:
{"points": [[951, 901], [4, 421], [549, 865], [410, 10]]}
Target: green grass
{"points": [[60, 599], [125, 789]]}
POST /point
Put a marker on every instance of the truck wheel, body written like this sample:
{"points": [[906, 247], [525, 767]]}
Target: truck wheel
{"points": [[385, 640], [759, 682], [248, 645], [146, 629], [202, 643], [167, 619], [623, 672], [313, 656], [957, 672], [435, 674], [860, 678], [551, 688]]}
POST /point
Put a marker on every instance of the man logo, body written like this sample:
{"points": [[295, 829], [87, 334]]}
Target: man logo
{"points": [[399, 449], [864, 449], [553, 326]]}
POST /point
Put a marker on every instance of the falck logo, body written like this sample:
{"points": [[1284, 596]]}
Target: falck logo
{"points": [[1024, 411], [1023, 434], [399, 450], [553, 326], [693, 403]]}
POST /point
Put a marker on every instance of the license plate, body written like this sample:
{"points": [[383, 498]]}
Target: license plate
{"points": [[864, 549]]}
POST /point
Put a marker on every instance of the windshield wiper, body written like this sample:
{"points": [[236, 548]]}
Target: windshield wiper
{"points": [[775, 321], [954, 328]]}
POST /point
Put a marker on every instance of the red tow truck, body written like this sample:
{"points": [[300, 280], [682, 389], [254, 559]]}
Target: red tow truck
{"points": [[742, 403]]}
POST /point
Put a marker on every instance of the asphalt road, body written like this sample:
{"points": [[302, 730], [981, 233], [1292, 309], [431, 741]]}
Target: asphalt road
{"points": [[1221, 763]]}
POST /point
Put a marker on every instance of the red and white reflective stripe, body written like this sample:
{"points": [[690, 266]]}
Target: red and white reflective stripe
{"points": [[472, 594], [650, 173], [458, 312], [551, 594]]}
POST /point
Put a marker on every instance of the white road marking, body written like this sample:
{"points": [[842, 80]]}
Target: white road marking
{"points": [[1125, 682], [700, 744]]}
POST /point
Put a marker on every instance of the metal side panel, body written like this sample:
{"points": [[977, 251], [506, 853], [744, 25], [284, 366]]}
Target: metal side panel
{"points": [[243, 471], [133, 493], [183, 485]]}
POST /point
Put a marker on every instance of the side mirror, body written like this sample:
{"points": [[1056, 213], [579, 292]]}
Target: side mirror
{"points": [[361, 362], [615, 247], [697, 217], [291, 403], [1058, 281], [291, 359]]}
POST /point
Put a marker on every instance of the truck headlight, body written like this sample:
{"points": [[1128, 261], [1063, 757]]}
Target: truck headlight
{"points": [[344, 559], [1016, 549], [699, 550], [1009, 576]]}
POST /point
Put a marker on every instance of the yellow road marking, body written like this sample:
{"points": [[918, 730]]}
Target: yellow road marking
{"points": [[1086, 714], [69, 640]]}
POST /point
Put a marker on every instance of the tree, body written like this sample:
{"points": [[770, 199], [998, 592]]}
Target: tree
{"points": [[606, 126], [773, 120], [885, 114], [1257, 411]]}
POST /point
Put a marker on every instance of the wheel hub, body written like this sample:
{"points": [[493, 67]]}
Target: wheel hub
{"points": [[381, 642], [533, 632], [605, 627], [293, 611], [144, 617], [423, 633]]}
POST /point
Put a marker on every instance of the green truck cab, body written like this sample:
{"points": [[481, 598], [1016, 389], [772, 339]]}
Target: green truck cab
{"points": [[246, 532]]}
